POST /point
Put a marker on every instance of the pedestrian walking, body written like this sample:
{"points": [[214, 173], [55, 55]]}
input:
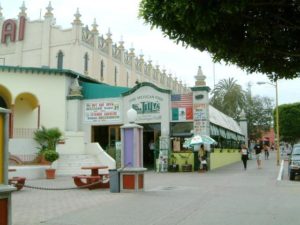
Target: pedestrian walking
{"points": [[244, 155], [258, 151], [266, 150]]}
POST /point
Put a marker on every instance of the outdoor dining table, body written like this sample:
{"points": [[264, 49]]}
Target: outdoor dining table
{"points": [[94, 169]]}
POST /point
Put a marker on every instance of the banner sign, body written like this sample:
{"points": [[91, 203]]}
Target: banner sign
{"points": [[104, 111], [148, 107]]}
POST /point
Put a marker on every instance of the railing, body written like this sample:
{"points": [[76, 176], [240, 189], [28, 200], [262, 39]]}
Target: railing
{"points": [[24, 132]]}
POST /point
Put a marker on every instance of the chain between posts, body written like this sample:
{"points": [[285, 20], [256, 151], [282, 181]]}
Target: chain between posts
{"points": [[61, 189], [105, 180]]}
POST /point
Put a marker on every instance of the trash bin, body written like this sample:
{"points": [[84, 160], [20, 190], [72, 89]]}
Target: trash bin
{"points": [[114, 180]]}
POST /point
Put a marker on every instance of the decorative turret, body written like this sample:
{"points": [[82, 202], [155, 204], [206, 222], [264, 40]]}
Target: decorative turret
{"points": [[157, 66], [109, 34], [244, 125], [121, 43], [77, 16], [200, 78], [95, 27], [131, 50], [141, 56], [164, 71], [22, 12], [75, 89], [242, 115], [49, 13]]}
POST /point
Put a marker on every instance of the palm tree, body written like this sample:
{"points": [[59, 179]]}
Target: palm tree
{"points": [[228, 97], [47, 138]]}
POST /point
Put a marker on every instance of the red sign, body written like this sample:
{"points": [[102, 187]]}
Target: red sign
{"points": [[9, 30]]}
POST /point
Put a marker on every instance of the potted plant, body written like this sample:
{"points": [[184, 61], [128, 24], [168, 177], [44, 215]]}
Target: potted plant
{"points": [[186, 167], [50, 156], [47, 138], [173, 167]]}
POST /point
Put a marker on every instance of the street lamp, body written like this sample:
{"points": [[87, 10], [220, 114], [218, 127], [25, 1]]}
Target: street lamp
{"points": [[277, 119]]}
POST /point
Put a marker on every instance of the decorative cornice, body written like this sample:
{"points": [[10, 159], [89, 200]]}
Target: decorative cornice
{"points": [[203, 88], [145, 84]]}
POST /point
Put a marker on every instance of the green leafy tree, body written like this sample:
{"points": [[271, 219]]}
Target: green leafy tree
{"points": [[258, 36], [228, 97], [259, 115], [289, 122]]}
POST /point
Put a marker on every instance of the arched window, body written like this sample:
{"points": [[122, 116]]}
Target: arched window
{"points": [[3, 103], [116, 75], [102, 70], [86, 62], [60, 60]]}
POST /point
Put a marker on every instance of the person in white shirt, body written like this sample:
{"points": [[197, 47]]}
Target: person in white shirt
{"points": [[244, 155]]}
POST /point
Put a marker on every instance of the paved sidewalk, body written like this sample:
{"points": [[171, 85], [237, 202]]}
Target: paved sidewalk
{"points": [[224, 196]]}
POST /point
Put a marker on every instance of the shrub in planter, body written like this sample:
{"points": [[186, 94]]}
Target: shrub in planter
{"points": [[47, 138], [51, 155]]}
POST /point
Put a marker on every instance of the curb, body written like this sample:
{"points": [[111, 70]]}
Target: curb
{"points": [[280, 174]]}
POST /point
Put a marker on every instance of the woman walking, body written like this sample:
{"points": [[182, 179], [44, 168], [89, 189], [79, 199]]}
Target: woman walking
{"points": [[244, 155], [266, 150]]}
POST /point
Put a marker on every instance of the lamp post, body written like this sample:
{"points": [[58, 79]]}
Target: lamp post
{"points": [[277, 119]]}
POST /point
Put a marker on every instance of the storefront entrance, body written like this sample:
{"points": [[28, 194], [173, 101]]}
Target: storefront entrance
{"points": [[150, 144], [106, 136]]}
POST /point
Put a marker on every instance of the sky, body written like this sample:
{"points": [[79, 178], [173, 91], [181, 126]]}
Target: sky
{"points": [[121, 17]]}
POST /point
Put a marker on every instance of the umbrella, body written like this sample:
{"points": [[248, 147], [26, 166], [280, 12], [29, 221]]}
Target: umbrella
{"points": [[202, 139], [208, 140], [196, 140], [187, 143]]}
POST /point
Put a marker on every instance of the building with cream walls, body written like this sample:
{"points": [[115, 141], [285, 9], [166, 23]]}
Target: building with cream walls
{"points": [[84, 84], [42, 43]]}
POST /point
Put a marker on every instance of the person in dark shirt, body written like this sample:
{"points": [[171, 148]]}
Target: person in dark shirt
{"points": [[258, 152]]}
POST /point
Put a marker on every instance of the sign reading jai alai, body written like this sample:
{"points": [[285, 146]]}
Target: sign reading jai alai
{"points": [[9, 30]]}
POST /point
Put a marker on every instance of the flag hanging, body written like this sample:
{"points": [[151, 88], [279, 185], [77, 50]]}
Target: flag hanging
{"points": [[182, 107]]}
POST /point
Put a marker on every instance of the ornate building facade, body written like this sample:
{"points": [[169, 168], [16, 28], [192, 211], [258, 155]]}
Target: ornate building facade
{"points": [[41, 43]]}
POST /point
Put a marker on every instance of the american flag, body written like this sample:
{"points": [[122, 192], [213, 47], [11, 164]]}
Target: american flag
{"points": [[182, 100]]}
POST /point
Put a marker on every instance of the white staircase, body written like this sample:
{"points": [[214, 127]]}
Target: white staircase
{"points": [[70, 164]]}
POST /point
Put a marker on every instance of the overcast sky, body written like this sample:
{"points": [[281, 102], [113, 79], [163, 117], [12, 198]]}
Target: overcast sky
{"points": [[121, 16]]}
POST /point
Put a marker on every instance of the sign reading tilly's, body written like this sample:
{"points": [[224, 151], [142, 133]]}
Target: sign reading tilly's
{"points": [[9, 29], [147, 106]]}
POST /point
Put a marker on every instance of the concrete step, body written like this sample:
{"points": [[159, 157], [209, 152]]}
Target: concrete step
{"points": [[71, 164]]}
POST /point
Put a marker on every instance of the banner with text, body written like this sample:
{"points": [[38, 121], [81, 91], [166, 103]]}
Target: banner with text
{"points": [[102, 111]]}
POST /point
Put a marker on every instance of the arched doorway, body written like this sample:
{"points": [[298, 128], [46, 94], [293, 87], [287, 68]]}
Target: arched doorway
{"points": [[5, 97], [26, 115]]}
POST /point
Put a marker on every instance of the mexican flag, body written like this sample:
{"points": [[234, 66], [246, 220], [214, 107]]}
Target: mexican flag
{"points": [[182, 114], [182, 107]]}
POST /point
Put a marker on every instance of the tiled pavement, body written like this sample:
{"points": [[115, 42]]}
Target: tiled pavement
{"points": [[217, 197]]}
